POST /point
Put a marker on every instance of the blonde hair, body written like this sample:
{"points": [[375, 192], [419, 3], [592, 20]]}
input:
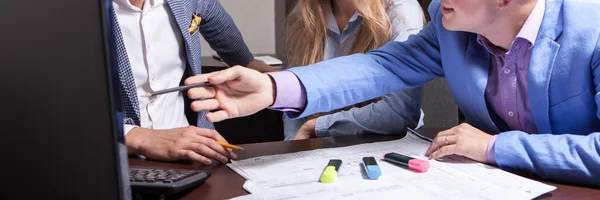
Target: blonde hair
{"points": [[308, 29]]}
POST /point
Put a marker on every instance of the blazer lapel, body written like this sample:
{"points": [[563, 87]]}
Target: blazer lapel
{"points": [[541, 64], [125, 73], [538, 81], [182, 11]]}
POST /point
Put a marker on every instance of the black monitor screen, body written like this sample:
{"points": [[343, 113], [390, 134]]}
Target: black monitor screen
{"points": [[61, 136]]}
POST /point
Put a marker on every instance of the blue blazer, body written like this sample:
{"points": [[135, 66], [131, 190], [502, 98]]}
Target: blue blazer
{"points": [[563, 86], [217, 28]]}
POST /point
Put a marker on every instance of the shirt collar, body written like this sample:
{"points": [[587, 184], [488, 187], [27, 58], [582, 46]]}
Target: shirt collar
{"points": [[333, 26], [127, 4], [528, 32], [531, 28]]}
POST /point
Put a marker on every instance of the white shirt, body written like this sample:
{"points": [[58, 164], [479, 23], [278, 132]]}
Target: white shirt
{"points": [[157, 56]]}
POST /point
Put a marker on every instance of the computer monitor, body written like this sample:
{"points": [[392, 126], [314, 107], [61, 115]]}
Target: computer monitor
{"points": [[60, 133]]}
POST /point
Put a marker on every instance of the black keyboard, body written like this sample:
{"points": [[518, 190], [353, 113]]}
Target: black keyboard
{"points": [[164, 181]]}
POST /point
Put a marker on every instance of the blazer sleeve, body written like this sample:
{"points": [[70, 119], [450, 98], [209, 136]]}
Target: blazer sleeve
{"points": [[219, 30], [566, 157], [391, 115]]}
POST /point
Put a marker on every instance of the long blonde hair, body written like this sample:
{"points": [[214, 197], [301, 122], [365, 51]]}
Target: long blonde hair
{"points": [[308, 29]]}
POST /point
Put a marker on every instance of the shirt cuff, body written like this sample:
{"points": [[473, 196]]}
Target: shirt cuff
{"points": [[491, 155], [322, 126], [290, 94], [127, 128]]}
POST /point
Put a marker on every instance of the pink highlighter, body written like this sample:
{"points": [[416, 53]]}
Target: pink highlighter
{"points": [[406, 161]]}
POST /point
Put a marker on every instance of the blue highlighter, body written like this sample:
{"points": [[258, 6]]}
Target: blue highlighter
{"points": [[371, 167]]}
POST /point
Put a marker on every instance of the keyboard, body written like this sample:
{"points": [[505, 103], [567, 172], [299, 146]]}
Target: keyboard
{"points": [[164, 181]]}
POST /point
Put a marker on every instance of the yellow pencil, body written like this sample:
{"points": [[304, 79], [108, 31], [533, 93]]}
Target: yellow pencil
{"points": [[230, 145]]}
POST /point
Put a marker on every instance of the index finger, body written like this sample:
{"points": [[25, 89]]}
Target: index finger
{"points": [[437, 142], [200, 78], [212, 134], [215, 135]]}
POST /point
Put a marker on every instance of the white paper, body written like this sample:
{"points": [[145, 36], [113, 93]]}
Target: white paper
{"points": [[296, 175]]}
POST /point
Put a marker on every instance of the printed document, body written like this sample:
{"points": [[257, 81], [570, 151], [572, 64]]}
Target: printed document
{"points": [[296, 176]]}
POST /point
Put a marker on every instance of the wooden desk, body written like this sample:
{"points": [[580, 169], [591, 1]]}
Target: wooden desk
{"points": [[225, 183]]}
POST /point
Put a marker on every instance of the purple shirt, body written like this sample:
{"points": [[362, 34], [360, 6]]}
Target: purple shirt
{"points": [[291, 95], [506, 90]]}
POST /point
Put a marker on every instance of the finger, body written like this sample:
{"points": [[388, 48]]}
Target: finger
{"points": [[205, 148], [218, 137], [192, 155], [225, 75], [446, 132], [438, 141], [215, 136], [201, 92], [217, 116], [444, 151], [211, 134], [451, 139], [200, 78], [207, 104]]}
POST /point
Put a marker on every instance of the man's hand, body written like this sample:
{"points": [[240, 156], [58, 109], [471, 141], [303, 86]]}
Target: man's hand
{"points": [[464, 140], [236, 92], [188, 143], [306, 130], [260, 66]]}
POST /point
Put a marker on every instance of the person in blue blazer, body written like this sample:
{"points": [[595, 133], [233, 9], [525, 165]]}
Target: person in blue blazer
{"points": [[526, 74], [157, 45]]}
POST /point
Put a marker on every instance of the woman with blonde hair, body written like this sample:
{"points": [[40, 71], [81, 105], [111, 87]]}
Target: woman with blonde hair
{"points": [[323, 29]]}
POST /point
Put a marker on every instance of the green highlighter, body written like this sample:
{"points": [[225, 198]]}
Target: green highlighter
{"points": [[331, 170]]}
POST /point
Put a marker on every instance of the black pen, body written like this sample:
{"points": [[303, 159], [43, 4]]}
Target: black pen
{"points": [[176, 89]]}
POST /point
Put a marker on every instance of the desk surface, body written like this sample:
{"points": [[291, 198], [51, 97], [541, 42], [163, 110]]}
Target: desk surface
{"points": [[225, 183]]}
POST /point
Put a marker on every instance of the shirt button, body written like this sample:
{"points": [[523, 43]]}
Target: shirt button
{"points": [[506, 71], [153, 78], [511, 113]]}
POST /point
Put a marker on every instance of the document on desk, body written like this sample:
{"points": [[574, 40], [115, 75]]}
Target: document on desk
{"points": [[296, 176]]}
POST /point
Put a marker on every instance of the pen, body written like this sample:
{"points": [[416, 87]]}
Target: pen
{"points": [[234, 147], [176, 89], [406, 161]]}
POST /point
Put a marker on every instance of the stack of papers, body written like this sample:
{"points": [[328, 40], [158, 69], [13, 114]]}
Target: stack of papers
{"points": [[296, 176]]}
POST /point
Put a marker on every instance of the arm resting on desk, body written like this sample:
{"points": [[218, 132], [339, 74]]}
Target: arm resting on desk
{"points": [[391, 115], [568, 158]]}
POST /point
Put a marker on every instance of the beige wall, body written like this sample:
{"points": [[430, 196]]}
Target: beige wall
{"points": [[256, 21]]}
